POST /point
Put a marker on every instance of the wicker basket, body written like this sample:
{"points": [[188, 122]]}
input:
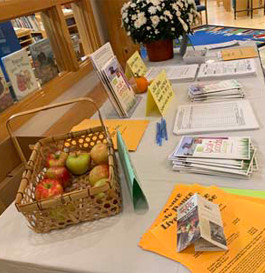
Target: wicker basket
{"points": [[79, 203]]}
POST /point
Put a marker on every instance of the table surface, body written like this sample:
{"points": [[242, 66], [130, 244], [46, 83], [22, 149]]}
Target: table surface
{"points": [[110, 244]]}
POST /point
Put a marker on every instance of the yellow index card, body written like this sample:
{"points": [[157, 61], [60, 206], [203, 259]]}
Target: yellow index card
{"points": [[239, 53], [159, 94], [135, 66]]}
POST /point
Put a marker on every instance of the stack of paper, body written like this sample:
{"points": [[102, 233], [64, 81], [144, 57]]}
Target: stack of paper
{"points": [[179, 73], [228, 69], [215, 117], [222, 156], [115, 83], [243, 227], [223, 90]]}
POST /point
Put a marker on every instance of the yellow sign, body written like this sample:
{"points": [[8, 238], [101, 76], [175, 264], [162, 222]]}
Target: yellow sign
{"points": [[239, 53], [135, 66], [131, 130], [159, 94]]}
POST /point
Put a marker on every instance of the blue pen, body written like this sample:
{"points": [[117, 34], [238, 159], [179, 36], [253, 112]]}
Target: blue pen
{"points": [[165, 129], [162, 129], [157, 132]]}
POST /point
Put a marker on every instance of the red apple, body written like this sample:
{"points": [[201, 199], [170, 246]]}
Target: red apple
{"points": [[99, 153], [57, 159], [97, 173], [59, 173], [48, 188]]}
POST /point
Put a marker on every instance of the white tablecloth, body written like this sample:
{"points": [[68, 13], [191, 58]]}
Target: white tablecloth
{"points": [[110, 245]]}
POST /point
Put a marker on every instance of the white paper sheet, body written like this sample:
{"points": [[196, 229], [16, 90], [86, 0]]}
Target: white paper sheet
{"points": [[215, 117]]}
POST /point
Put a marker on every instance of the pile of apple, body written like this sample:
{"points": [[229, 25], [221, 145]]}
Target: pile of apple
{"points": [[63, 167]]}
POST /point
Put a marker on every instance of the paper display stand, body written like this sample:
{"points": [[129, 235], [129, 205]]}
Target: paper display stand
{"points": [[114, 81], [136, 193]]}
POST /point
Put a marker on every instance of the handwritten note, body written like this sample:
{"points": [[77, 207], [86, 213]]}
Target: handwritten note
{"points": [[160, 94], [135, 66]]}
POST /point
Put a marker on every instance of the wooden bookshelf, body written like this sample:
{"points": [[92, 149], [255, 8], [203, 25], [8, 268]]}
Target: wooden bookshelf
{"points": [[56, 29]]}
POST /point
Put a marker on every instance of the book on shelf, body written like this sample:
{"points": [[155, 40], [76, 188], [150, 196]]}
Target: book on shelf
{"points": [[215, 117], [5, 96], [113, 79], [30, 22], [43, 60], [20, 73], [228, 69], [8, 43]]}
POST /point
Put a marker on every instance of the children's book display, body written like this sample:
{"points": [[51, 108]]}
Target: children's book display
{"points": [[215, 117], [245, 235], [220, 91], [43, 60], [5, 96], [221, 156], [228, 69], [113, 78], [20, 73]]}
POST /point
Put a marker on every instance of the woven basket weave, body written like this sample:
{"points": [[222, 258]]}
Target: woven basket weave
{"points": [[80, 202]]}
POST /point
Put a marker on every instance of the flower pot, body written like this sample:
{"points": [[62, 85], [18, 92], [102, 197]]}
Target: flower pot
{"points": [[161, 50]]}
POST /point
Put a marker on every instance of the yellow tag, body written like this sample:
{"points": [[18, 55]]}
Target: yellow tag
{"points": [[239, 53], [159, 94], [135, 66]]}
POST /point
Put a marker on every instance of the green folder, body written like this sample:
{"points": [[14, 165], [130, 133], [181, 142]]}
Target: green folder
{"points": [[252, 193], [136, 193]]}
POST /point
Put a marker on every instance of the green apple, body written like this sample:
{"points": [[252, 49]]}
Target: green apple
{"points": [[78, 162], [100, 183]]}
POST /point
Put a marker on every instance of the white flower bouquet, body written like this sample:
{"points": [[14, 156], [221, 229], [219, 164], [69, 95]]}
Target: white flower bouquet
{"points": [[151, 20]]}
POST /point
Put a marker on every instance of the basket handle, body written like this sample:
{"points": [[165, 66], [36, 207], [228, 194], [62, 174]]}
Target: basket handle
{"points": [[43, 108]]}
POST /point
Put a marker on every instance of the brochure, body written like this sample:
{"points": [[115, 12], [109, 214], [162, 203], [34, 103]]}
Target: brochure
{"points": [[199, 222], [215, 117], [120, 88], [214, 147], [99, 58]]}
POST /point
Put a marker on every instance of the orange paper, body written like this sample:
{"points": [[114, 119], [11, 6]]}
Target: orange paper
{"points": [[131, 130], [239, 53], [244, 227]]}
